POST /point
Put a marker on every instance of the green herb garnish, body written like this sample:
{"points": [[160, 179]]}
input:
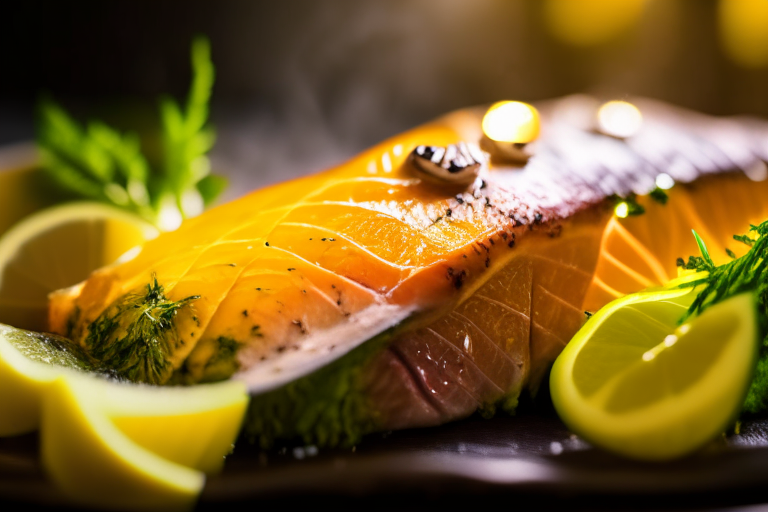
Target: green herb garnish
{"points": [[101, 163], [747, 273], [659, 196], [135, 337]]}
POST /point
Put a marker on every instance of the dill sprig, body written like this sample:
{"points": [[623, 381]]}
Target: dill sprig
{"points": [[100, 163], [748, 273], [135, 337]]}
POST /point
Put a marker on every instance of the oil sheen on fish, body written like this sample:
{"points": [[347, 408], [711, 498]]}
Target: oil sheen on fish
{"points": [[371, 297]]}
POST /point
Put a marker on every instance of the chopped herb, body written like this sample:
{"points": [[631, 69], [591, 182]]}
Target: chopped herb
{"points": [[135, 337], [659, 195]]}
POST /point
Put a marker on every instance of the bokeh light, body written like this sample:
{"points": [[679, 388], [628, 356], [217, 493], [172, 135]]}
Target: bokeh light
{"points": [[591, 22], [744, 31], [511, 121], [664, 181], [619, 119]]}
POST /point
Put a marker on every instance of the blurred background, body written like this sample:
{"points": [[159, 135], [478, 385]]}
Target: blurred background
{"points": [[302, 85]]}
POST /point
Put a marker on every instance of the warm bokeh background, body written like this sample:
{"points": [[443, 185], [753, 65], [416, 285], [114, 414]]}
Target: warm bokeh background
{"points": [[304, 84]]}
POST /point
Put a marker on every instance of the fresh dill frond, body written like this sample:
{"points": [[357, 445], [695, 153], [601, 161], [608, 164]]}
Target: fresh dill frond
{"points": [[701, 263], [101, 163], [135, 337], [748, 273]]}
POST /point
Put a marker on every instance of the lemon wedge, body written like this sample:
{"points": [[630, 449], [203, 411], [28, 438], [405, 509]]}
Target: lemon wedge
{"points": [[635, 383], [29, 362], [93, 463], [109, 444], [59, 247]]}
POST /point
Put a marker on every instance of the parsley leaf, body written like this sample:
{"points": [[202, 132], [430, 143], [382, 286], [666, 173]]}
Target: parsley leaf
{"points": [[100, 163]]}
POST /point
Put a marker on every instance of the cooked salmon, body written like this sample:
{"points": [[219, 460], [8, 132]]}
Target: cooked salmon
{"points": [[373, 296]]}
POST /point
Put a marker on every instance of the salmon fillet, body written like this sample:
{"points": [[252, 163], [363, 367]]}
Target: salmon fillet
{"points": [[369, 297]]}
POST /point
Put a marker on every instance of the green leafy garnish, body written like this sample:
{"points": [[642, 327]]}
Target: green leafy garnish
{"points": [[135, 337], [747, 273], [658, 195], [100, 163], [187, 138]]}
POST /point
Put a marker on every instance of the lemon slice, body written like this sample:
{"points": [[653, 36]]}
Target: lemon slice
{"points": [[109, 444], [93, 463], [633, 382], [194, 426], [59, 247], [29, 362], [23, 189]]}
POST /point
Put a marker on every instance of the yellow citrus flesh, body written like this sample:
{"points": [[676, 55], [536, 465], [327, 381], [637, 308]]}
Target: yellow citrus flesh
{"points": [[193, 426], [635, 383], [22, 382], [95, 464], [104, 441], [20, 187], [56, 248]]}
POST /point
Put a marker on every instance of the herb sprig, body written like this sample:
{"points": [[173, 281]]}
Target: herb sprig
{"points": [[100, 163], [135, 337], [744, 274]]}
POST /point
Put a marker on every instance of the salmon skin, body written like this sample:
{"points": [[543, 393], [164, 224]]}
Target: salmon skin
{"points": [[374, 297]]}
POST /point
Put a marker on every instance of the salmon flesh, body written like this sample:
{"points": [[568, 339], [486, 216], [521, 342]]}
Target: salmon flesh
{"points": [[373, 296]]}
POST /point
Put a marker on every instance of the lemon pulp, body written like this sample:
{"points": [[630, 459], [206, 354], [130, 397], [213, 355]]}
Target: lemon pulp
{"points": [[634, 382], [56, 248]]}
